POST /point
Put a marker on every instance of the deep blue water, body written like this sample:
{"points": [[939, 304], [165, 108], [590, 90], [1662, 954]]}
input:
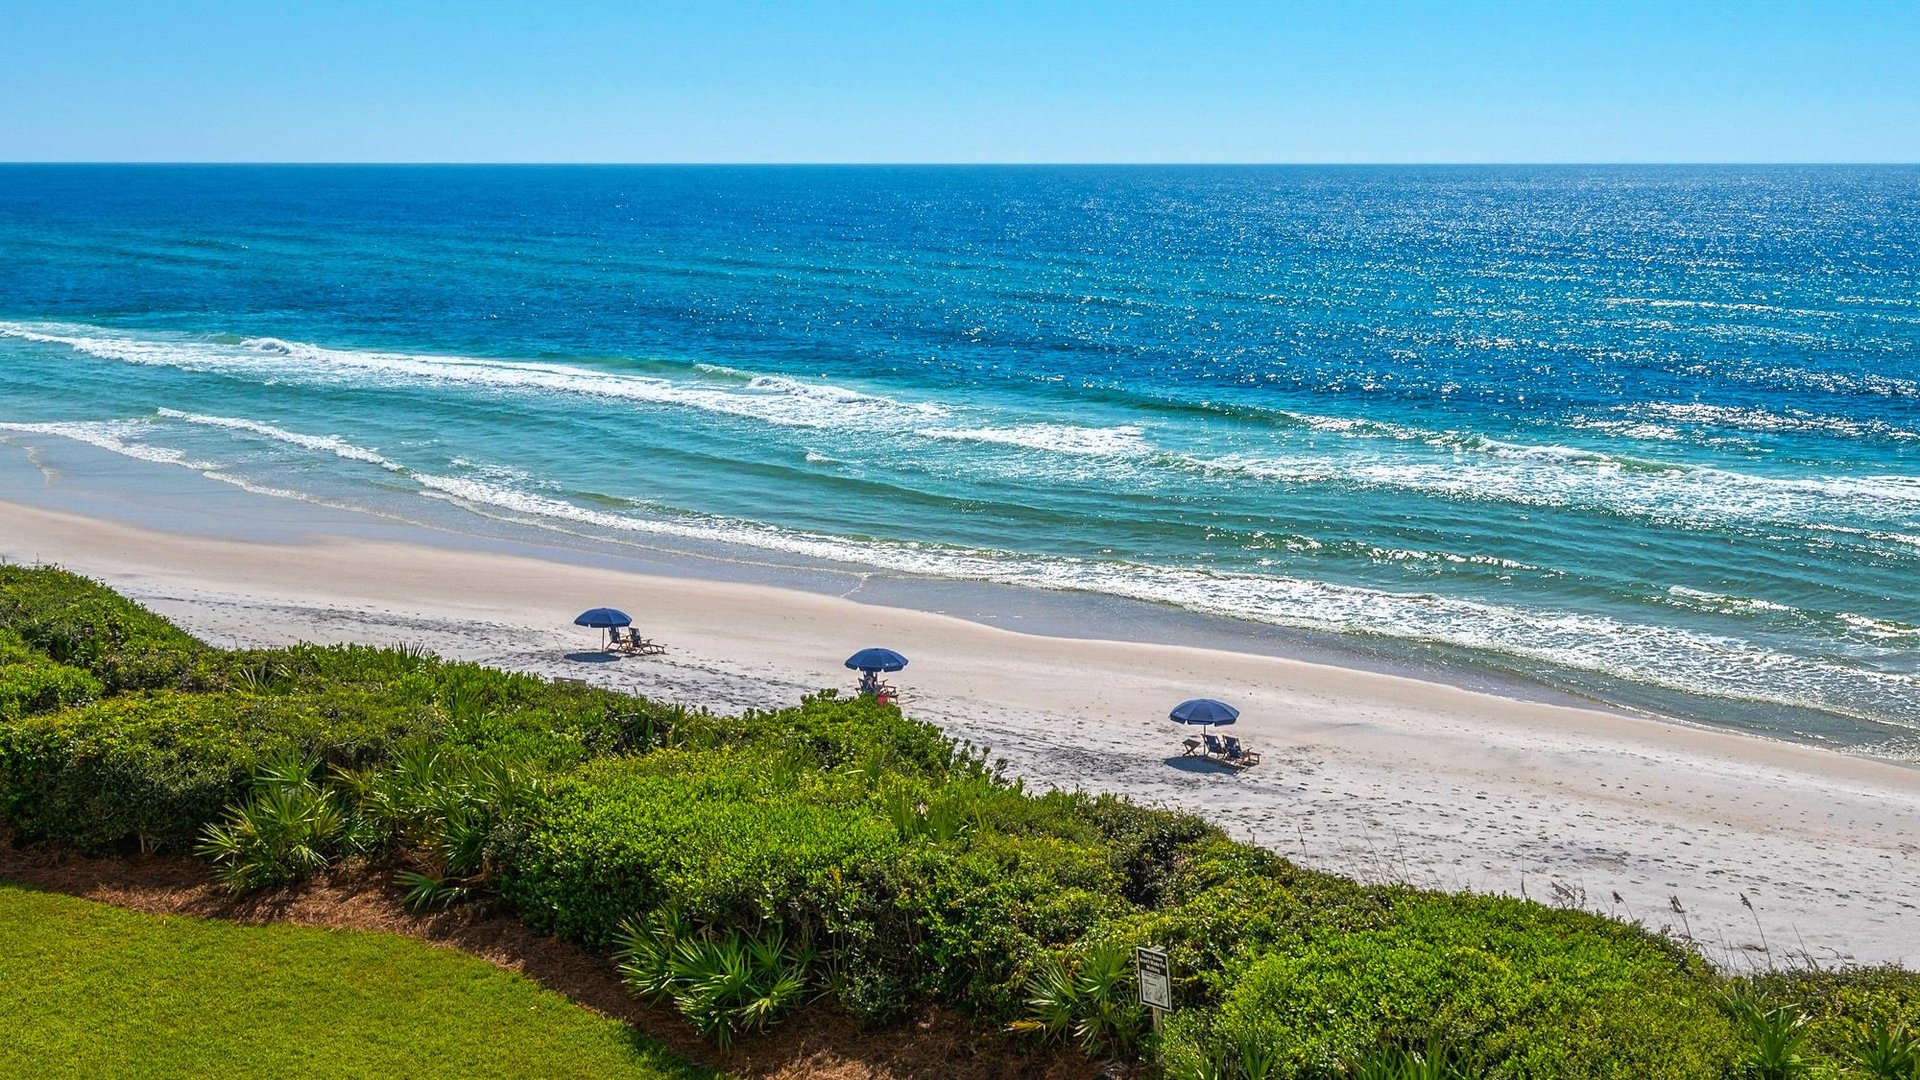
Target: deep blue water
{"points": [[1647, 433]]}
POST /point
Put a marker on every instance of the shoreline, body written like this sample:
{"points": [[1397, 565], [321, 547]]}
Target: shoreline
{"points": [[1375, 775], [79, 478]]}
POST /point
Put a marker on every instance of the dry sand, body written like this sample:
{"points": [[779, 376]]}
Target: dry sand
{"points": [[1372, 775]]}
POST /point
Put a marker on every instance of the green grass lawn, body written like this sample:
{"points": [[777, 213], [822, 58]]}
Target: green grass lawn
{"points": [[96, 991]]}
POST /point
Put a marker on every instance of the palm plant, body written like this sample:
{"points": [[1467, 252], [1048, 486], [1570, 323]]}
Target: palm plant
{"points": [[1258, 1058], [1778, 1034], [1888, 1052], [722, 982], [1093, 1001], [287, 830], [441, 807], [1436, 1060]]}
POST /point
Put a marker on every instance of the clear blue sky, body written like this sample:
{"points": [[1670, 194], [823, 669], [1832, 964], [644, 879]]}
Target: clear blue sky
{"points": [[467, 80]]}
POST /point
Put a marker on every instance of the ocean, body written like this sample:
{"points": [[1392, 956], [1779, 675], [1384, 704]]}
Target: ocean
{"points": [[1649, 436]]}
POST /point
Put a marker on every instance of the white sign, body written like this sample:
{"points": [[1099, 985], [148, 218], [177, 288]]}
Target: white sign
{"points": [[1156, 978]]}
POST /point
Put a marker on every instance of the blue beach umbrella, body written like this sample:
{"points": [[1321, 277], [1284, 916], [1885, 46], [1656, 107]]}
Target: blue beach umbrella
{"points": [[1205, 712], [876, 660], [602, 618]]}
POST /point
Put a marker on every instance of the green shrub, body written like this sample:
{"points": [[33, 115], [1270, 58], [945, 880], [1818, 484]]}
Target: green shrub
{"points": [[84, 624], [837, 733], [1841, 1006], [154, 768], [729, 836], [1776, 1037], [31, 682], [1436, 1059], [908, 894], [1887, 1052], [439, 808], [1528, 990]]}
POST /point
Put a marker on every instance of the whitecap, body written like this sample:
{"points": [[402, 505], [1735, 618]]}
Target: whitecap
{"points": [[1125, 440], [771, 399], [326, 443]]}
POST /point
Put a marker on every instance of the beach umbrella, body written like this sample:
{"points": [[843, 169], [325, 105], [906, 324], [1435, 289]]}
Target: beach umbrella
{"points": [[876, 660], [602, 618], [1205, 712]]}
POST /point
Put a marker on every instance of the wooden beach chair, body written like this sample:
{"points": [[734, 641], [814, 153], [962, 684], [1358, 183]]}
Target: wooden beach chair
{"points": [[1239, 756]]}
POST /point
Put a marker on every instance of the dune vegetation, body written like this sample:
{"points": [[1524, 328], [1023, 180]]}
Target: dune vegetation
{"points": [[747, 869]]}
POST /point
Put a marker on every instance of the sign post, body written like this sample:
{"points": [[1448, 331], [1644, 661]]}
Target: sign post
{"points": [[1156, 981]]}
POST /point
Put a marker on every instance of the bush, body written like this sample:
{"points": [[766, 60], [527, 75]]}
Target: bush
{"points": [[904, 888], [836, 733], [152, 769], [31, 682], [84, 624], [728, 836], [1525, 989], [1842, 1007]]}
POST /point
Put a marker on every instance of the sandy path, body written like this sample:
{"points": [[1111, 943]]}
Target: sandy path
{"points": [[1368, 774]]}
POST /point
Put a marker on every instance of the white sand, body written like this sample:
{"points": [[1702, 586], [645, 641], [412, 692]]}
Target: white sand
{"points": [[1372, 775]]}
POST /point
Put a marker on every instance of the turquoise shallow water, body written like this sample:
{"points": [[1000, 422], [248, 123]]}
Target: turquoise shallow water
{"points": [[1651, 435]]}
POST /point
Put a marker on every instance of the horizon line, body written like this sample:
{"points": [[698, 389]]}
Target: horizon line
{"points": [[964, 164]]}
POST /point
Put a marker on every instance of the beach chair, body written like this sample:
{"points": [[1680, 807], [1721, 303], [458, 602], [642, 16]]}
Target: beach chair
{"points": [[1214, 749], [644, 647], [1239, 755]]}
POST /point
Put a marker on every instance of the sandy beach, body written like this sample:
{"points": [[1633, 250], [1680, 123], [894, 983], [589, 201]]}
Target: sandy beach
{"points": [[1369, 774]]}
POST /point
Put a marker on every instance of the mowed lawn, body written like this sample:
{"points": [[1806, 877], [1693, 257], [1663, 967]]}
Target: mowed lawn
{"points": [[96, 991]]}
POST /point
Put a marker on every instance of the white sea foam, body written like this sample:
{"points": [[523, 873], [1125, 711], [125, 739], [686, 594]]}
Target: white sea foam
{"points": [[1123, 441], [772, 399], [117, 436], [326, 443], [1532, 474], [1883, 629], [1712, 601], [1380, 554], [125, 437], [1697, 497], [1467, 441]]}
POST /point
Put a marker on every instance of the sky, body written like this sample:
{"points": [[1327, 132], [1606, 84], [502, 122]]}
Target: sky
{"points": [[1033, 81]]}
